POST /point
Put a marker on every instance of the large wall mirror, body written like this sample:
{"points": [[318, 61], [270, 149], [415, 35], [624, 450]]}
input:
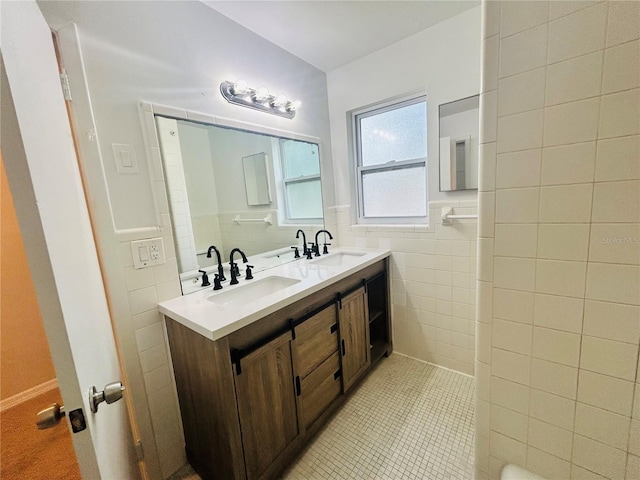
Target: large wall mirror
{"points": [[459, 125], [234, 188]]}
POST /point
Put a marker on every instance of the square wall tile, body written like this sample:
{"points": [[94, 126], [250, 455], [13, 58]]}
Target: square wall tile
{"points": [[559, 313], [618, 159], [563, 241], [485, 259], [550, 439], [509, 423], [567, 164], [532, 41], [514, 273], [561, 278], [613, 283], [516, 240], [484, 301], [520, 16], [623, 22], [487, 167], [149, 336], [572, 122], [522, 92], [490, 59], [608, 393], [511, 336], [558, 411], [609, 357], [612, 321], [511, 395], [566, 203], [574, 79], [522, 131], [488, 120], [513, 305], [619, 114], [616, 202], [598, 457], [561, 9], [518, 205], [633, 467], [510, 366], [622, 68], [519, 169], [603, 426], [578, 33], [556, 346], [486, 219], [554, 378], [615, 243], [548, 465]]}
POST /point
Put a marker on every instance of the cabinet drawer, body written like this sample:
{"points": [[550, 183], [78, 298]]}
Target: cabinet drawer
{"points": [[320, 388], [316, 340]]}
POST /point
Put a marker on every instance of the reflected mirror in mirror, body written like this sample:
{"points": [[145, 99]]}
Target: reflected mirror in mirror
{"points": [[232, 188], [459, 125]]}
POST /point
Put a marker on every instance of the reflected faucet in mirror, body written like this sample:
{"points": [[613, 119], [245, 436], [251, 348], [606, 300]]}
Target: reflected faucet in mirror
{"points": [[235, 271], [221, 276], [304, 241], [316, 247]]}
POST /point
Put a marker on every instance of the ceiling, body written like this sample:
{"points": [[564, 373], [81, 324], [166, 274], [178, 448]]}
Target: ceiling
{"points": [[329, 34]]}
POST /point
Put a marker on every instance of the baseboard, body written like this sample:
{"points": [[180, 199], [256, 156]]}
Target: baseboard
{"points": [[28, 394], [434, 364]]}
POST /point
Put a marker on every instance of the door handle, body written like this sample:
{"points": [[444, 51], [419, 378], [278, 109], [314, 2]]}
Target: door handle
{"points": [[50, 416], [112, 393]]}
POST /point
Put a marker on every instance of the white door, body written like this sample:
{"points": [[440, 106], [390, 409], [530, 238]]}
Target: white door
{"points": [[40, 159]]}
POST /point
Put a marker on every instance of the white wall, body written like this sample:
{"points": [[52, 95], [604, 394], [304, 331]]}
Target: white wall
{"points": [[558, 385], [442, 61], [432, 266], [177, 54]]}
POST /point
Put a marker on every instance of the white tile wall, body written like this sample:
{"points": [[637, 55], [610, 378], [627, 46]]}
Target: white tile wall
{"points": [[558, 333], [432, 282]]}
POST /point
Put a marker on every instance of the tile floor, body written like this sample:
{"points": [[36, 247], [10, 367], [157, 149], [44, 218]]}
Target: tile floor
{"points": [[407, 420]]}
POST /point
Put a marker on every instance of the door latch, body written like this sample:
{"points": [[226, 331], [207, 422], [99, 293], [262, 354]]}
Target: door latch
{"points": [[112, 393], [50, 416]]}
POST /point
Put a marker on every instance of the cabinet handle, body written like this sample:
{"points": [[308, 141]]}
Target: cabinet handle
{"points": [[337, 374], [334, 328], [344, 350], [298, 391]]}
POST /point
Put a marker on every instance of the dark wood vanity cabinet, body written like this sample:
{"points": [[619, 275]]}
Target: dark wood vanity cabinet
{"points": [[250, 400]]}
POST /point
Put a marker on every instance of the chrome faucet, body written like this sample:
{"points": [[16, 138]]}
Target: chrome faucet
{"points": [[235, 271], [304, 241], [220, 267], [316, 247]]}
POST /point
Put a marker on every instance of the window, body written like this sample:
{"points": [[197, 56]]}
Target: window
{"points": [[301, 180], [391, 155]]}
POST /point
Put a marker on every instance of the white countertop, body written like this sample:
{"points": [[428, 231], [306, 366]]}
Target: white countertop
{"points": [[214, 321]]}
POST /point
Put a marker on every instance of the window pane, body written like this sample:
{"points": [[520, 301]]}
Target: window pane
{"points": [[395, 193], [305, 199], [399, 134], [299, 158]]}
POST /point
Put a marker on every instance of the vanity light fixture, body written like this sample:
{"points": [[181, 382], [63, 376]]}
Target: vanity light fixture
{"points": [[239, 93]]}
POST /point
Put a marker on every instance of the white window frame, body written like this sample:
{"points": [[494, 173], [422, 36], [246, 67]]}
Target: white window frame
{"points": [[389, 166], [302, 179]]}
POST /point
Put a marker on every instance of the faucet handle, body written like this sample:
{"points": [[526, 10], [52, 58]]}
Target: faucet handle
{"points": [[205, 278], [216, 282], [310, 251], [248, 274], [325, 250], [297, 252]]}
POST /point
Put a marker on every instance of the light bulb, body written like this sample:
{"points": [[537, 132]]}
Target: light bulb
{"points": [[293, 106], [279, 101], [261, 94], [240, 87]]}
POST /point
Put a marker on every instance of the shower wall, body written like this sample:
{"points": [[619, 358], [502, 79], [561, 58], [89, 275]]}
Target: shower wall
{"points": [[558, 292]]}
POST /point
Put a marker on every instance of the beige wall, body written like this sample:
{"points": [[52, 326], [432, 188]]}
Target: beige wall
{"points": [[558, 272], [25, 360]]}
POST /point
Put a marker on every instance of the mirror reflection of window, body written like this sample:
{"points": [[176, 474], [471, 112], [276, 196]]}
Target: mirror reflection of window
{"points": [[256, 179], [301, 180]]}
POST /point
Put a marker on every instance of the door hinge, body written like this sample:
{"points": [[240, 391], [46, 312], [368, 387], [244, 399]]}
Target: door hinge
{"points": [[139, 450], [66, 87]]}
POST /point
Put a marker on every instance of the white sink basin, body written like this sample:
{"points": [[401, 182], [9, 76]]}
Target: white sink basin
{"points": [[338, 259], [252, 290]]}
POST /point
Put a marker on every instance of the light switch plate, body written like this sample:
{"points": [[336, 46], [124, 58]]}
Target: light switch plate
{"points": [[147, 253], [125, 156]]}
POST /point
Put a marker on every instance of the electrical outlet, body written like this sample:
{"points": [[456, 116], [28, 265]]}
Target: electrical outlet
{"points": [[147, 253]]}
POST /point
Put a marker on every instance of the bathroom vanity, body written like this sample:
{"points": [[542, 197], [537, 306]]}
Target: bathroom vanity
{"points": [[260, 367]]}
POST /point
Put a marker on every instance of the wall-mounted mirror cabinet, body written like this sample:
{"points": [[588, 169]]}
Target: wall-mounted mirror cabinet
{"points": [[234, 188], [459, 126]]}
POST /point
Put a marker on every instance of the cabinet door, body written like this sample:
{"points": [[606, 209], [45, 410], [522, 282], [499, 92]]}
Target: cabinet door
{"points": [[267, 404], [316, 340], [354, 336]]}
